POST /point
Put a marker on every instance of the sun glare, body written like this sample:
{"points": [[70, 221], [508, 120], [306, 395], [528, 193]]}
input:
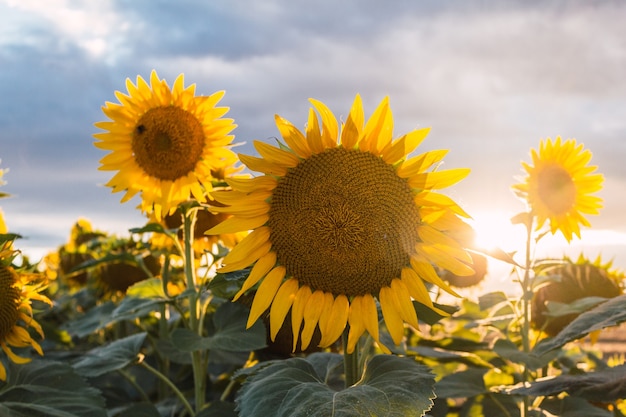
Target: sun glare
{"points": [[495, 230]]}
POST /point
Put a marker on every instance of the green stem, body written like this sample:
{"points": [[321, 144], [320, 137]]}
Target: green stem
{"points": [[526, 300], [135, 385], [170, 384], [199, 374], [350, 361]]}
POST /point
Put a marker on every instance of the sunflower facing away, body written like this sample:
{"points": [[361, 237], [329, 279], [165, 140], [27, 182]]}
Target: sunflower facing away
{"points": [[165, 143], [339, 220], [17, 289], [559, 186]]}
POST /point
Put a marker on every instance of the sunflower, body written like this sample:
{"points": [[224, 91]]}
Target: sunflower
{"points": [[17, 290], [559, 186], [339, 220], [566, 281], [165, 143]]}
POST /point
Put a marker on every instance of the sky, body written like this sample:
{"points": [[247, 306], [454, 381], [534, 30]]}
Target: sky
{"points": [[491, 78]]}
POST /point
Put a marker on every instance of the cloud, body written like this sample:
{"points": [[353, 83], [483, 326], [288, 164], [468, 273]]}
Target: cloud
{"points": [[490, 81]]}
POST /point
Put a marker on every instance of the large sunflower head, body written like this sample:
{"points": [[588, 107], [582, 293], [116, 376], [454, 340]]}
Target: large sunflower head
{"points": [[560, 185], [343, 217], [17, 290], [165, 143]]}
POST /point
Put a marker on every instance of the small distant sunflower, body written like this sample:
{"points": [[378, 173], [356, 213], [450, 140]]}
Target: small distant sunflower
{"points": [[165, 143], [336, 226], [559, 186], [17, 290]]}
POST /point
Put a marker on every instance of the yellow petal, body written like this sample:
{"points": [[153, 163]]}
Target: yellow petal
{"points": [[242, 251], [265, 294], [314, 138], [416, 287], [426, 271], [421, 163], [357, 325], [391, 315], [293, 137], [378, 130], [438, 179], [247, 185], [333, 326], [281, 305], [312, 311], [351, 131], [261, 165], [297, 312], [259, 270], [330, 128], [238, 224], [275, 155], [403, 302]]}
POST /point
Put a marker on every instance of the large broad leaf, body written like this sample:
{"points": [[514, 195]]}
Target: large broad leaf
{"points": [[228, 332], [391, 386], [610, 313], [605, 386], [111, 357], [44, 388]]}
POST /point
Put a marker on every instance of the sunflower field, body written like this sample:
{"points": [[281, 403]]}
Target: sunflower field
{"points": [[326, 276]]}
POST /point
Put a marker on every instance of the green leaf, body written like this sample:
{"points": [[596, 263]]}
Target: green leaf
{"points": [[428, 315], [227, 285], [556, 309], [610, 313], [115, 355], [391, 386], [147, 288], [229, 332], [149, 228], [449, 356], [573, 407], [508, 350], [463, 384], [134, 307], [94, 319], [492, 299], [43, 388], [605, 386]]}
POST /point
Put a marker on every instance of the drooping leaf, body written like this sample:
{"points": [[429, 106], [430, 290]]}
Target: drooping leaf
{"points": [[229, 332], [606, 385], [610, 313], [115, 355], [391, 386], [44, 388], [228, 284]]}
